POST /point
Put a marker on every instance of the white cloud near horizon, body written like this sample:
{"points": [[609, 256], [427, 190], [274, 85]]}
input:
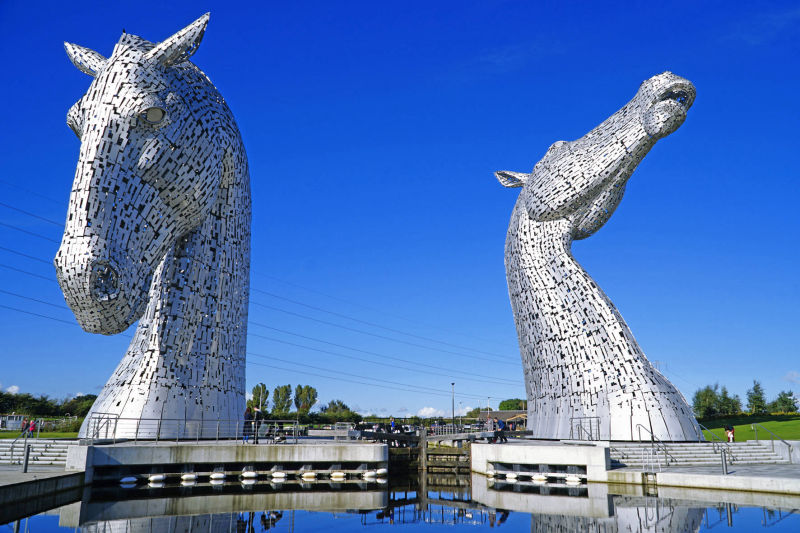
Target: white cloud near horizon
{"points": [[427, 412], [13, 389], [792, 376]]}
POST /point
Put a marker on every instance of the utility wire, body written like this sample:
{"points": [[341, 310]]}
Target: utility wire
{"points": [[300, 287], [35, 193], [9, 267], [17, 209], [361, 331], [410, 386], [17, 228], [367, 383], [371, 378], [373, 324], [382, 363], [9, 250], [299, 315], [306, 317]]}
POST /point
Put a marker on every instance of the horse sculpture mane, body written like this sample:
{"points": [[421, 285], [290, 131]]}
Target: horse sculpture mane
{"points": [[585, 374], [158, 230]]}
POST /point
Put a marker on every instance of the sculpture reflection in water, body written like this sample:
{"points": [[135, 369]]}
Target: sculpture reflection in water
{"points": [[158, 230], [430, 500], [583, 369]]}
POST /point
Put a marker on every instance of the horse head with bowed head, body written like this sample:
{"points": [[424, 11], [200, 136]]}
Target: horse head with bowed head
{"points": [[158, 230], [584, 371]]}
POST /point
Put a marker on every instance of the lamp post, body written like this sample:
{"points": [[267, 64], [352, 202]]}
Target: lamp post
{"points": [[453, 403]]}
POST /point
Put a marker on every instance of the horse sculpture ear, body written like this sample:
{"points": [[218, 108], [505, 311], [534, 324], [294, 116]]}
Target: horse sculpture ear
{"points": [[511, 179], [180, 46], [85, 59]]}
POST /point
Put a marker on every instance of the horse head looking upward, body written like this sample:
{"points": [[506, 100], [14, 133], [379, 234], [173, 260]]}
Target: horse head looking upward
{"points": [[585, 374], [158, 230]]}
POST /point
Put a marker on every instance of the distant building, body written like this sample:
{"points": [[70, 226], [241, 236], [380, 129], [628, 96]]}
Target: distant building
{"points": [[10, 422], [513, 415]]}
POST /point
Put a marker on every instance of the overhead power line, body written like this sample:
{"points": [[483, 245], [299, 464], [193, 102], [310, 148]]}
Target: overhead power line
{"points": [[376, 335], [448, 371], [371, 378], [373, 324], [503, 359], [409, 387]]}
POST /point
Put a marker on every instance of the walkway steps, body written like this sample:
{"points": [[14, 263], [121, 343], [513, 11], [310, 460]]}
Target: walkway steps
{"points": [[641, 455], [43, 451]]}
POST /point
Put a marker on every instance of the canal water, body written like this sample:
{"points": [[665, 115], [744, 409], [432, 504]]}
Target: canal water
{"points": [[431, 502]]}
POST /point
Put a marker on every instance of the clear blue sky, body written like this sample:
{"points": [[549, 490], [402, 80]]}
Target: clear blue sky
{"points": [[373, 129]]}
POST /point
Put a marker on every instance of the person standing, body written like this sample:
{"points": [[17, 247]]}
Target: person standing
{"points": [[500, 433], [248, 424]]}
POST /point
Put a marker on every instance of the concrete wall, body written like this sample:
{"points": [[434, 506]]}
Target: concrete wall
{"points": [[89, 457], [790, 452], [596, 458]]}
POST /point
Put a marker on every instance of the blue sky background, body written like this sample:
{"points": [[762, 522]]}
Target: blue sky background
{"points": [[373, 129]]}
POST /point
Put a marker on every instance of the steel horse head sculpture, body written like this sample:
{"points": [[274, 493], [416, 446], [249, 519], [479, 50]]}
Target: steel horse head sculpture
{"points": [[158, 230], [585, 374]]}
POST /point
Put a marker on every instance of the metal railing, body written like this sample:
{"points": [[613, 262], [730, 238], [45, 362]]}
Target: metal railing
{"points": [[721, 447], [755, 427], [656, 444], [108, 426], [584, 425]]}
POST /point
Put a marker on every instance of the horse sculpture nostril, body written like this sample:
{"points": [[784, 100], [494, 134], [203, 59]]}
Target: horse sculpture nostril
{"points": [[104, 281]]}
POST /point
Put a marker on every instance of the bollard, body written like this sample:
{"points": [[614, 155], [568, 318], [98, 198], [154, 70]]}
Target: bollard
{"points": [[724, 463], [25, 458]]}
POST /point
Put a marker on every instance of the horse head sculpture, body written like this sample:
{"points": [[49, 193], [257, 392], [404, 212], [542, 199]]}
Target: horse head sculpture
{"points": [[581, 362], [158, 229]]}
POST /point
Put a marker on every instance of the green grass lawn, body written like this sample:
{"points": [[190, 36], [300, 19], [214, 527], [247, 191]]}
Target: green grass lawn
{"points": [[786, 427], [42, 435]]}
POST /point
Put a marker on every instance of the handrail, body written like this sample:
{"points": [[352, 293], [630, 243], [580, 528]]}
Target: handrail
{"points": [[755, 427], [109, 426], [723, 444], [714, 434], [654, 440], [580, 422], [582, 429]]}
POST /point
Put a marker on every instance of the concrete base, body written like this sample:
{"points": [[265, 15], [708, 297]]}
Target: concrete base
{"points": [[26, 494], [594, 458], [172, 458]]}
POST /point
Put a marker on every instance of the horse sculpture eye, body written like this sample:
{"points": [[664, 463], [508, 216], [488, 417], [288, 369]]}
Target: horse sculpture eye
{"points": [[154, 115]]}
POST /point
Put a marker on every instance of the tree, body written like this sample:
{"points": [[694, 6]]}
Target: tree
{"points": [[729, 405], [335, 406], [305, 396], [784, 403], [260, 397], [337, 411], [282, 399], [474, 413], [705, 401], [78, 406], [514, 404], [756, 402]]}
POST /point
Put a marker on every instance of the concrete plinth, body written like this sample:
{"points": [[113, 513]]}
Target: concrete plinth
{"points": [[176, 458], [594, 458]]}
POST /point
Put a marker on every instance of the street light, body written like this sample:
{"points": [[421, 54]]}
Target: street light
{"points": [[453, 402]]}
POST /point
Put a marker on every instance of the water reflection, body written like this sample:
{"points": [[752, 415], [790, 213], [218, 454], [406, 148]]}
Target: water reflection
{"points": [[420, 503]]}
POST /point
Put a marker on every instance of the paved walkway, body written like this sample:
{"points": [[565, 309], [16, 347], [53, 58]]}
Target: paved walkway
{"points": [[10, 474], [772, 471]]}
